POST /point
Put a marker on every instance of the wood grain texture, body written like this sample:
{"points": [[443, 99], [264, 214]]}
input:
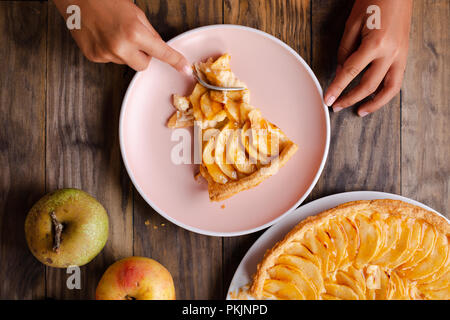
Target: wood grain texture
{"points": [[195, 261], [59, 114], [426, 111], [83, 104], [22, 142], [290, 22], [364, 153], [172, 17], [287, 20]]}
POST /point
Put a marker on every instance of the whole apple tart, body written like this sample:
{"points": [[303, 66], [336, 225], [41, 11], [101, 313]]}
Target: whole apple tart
{"points": [[379, 249]]}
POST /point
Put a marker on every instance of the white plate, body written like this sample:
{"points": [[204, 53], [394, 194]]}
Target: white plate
{"points": [[247, 267]]}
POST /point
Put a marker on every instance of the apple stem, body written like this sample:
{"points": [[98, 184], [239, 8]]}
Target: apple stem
{"points": [[58, 228]]}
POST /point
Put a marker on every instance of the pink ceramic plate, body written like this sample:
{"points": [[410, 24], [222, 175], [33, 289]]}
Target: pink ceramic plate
{"points": [[281, 85]]}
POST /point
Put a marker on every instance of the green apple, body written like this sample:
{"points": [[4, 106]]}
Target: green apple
{"points": [[67, 227]]}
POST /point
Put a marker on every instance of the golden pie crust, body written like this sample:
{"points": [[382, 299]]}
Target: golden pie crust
{"points": [[240, 148], [378, 249], [219, 192]]}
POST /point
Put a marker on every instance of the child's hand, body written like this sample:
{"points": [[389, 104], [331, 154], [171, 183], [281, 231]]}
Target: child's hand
{"points": [[118, 31], [384, 50]]}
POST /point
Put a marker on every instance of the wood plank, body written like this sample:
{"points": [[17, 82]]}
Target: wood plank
{"points": [[195, 261], [364, 153], [425, 109], [83, 104], [286, 20], [172, 17], [290, 22], [22, 142]]}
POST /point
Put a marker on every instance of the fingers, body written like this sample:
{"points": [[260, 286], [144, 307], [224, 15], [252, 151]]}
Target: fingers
{"points": [[117, 60], [154, 46], [351, 68], [99, 55], [157, 48], [143, 19], [369, 83], [109, 57], [349, 42], [392, 85], [137, 59]]}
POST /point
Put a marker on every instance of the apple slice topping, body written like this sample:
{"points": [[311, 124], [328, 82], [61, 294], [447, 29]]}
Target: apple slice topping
{"points": [[220, 155], [330, 247], [326, 296], [244, 111], [440, 284], [298, 249], [236, 154], [247, 140], [370, 236], [308, 268], [432, 263], [391, 256], [352, 236], [391, 231], [282, 290], [208, 160], [441, 294], [413, 243], [424, 249], [383, 292], [339, 239], [317, 248], [295, 276], [233, 111], [397, 287], [340, 291], [194, 98], [343, 278], [265, 137], [210, 108], [358, 276], [439, 272]]}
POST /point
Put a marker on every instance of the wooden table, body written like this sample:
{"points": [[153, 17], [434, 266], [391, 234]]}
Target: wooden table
{"points": [[59, 128]]}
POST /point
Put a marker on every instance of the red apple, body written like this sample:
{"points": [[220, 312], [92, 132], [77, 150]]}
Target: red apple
{"points": [[136, 278]]}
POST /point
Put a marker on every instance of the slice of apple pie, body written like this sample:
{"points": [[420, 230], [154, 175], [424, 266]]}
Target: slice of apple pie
{"points": [[379, 249], [239, 148]]}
